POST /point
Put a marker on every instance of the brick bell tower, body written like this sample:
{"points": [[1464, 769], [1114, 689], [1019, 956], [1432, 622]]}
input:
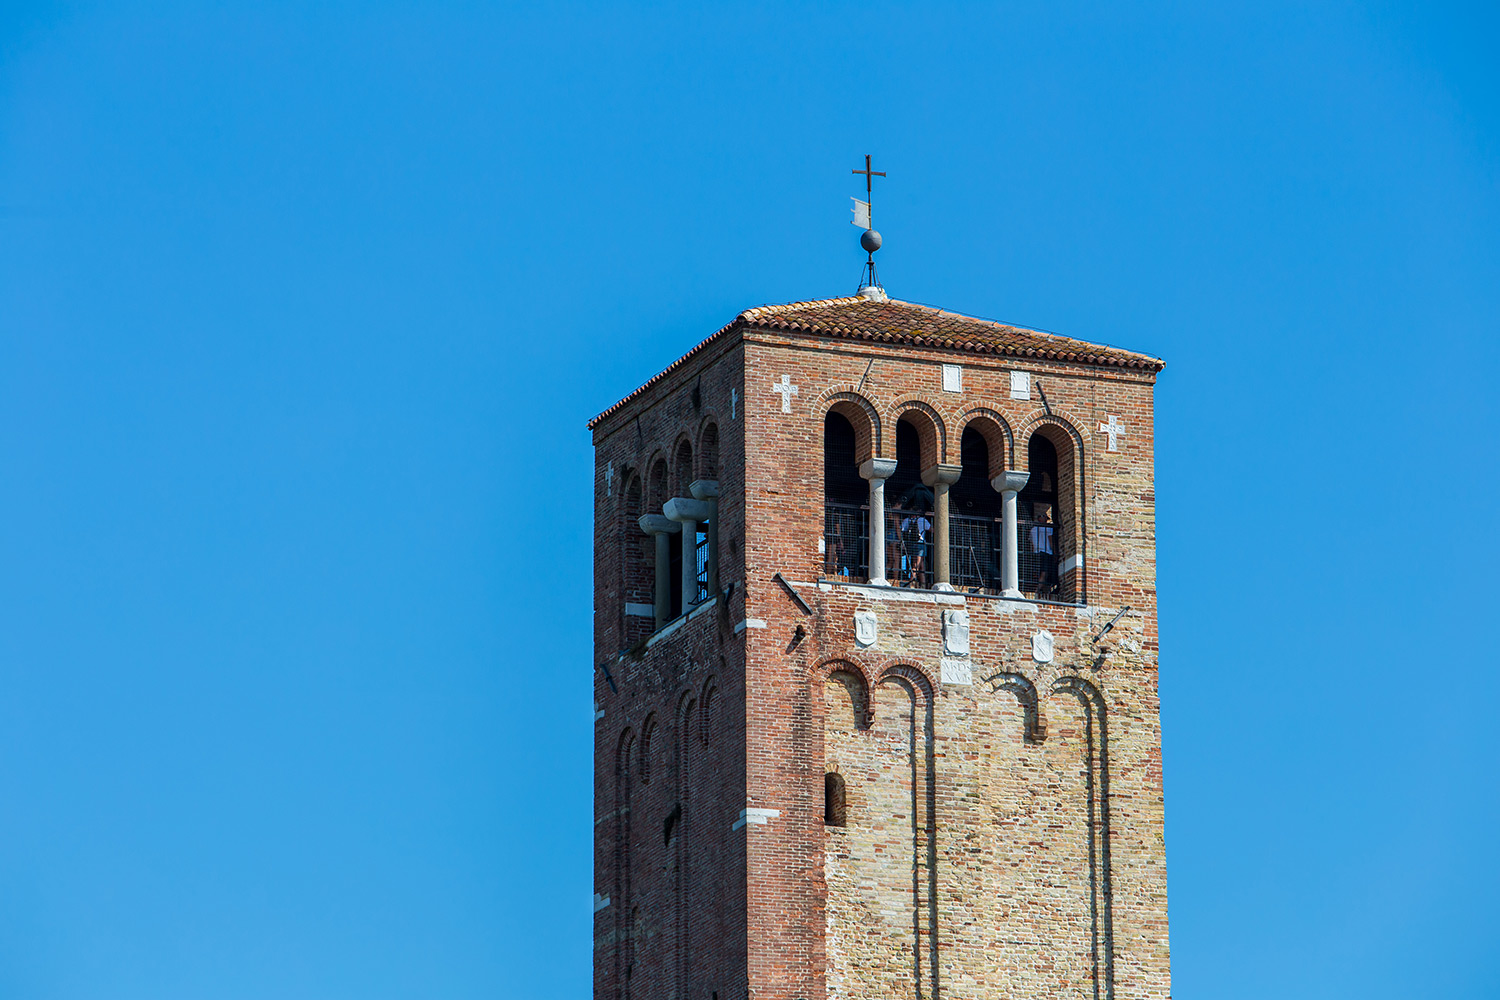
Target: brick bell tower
{"points": [[876, 665]]}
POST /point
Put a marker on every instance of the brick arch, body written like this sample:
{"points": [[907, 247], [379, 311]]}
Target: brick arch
{"points": [[675, 828], [635, 583], [1096, 785], [995, 430], [825, 672], [922, 806], [1065, 422], [932, 431], [1062, 430], [624, 749], [861, 414], [707, 450], [648, 738], [862, 665], [658, 481], [706, 708], [1035, 730], [622, 896], [687, 698], [682, 466], [630, 478], [913, 676]]}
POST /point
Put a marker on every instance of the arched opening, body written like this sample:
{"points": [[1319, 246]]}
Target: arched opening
{"points": [[624, 761], [708, 453], [696, 547], [908, 513], [637, 585], [846, 704], [1037, 521], [682, 469], [648, 737], [1052, 499], [659, 492], [974, 518], [846, 507], [835, 801]]}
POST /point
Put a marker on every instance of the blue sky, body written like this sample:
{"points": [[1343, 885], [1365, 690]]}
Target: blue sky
{"points": [[303, 308]]}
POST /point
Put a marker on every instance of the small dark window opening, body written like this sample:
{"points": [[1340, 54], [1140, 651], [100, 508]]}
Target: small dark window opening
{"points": [[835, 812], [669, 825], [1037, 521]]}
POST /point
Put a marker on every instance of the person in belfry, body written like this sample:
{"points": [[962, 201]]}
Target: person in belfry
{"points": [[915, 534], [1041, 544]]}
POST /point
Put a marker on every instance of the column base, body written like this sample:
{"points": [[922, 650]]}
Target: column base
{"points": [[1012, 593], [878, 582], [946, 588]]}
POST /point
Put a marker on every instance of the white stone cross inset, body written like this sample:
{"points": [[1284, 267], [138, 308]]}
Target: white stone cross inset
{"points": [[1115, 430], [609, 479], [787, 391], [734, 403]]}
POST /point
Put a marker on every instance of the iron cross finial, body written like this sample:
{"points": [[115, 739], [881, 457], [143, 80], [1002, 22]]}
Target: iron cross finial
{"points": [[870, 175]]}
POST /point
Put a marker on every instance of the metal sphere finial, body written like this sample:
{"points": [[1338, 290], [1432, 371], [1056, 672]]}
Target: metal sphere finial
{"points": [[869, 240]]}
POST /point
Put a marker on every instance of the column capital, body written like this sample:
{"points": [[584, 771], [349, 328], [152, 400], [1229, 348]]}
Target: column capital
{"points": [[655, 524], [942, 475], [1010, 482], [684, 509], [877, 468], [705, 489]]}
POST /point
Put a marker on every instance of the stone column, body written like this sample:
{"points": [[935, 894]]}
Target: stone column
{"points": [[940, 477], [689, 513], [660, 527], [707, 490], [877, 471], [1009, 484]]}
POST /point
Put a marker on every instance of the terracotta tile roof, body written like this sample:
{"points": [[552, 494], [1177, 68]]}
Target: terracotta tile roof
{"points": [[895, 322]]}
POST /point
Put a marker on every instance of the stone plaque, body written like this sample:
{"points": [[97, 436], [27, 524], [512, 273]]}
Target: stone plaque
{"points": [[1020, 385], [1041, 647], [953, 378], [864, 628], [957, 672], [956, 633]]}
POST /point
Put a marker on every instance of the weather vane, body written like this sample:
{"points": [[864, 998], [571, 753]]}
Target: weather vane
{"points": [[869, 239]]}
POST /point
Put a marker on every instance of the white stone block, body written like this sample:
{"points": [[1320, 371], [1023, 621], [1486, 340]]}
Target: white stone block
{"points": [[956, 633], [1020, 385], [1041, 647], [957, 671]]}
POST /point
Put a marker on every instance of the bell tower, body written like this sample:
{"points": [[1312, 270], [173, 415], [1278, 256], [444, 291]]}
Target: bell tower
{"points": [[876, 665]]}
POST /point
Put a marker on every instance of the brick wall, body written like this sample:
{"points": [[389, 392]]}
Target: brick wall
{"points": [[669, 733], [1004, 831]]}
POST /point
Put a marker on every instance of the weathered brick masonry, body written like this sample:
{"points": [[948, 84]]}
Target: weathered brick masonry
{"points": [[999, 758]]}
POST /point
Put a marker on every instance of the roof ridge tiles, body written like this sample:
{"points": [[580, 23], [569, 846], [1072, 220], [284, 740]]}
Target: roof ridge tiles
{"points": [[895, 321]]}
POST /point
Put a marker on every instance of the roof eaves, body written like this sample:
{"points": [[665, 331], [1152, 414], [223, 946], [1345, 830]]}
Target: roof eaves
{"points": [[737, 321]]}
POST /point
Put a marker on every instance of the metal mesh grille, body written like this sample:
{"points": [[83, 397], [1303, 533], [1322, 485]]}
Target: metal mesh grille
{"points": [[846, 541], [974, 553], [974, 550], [908, 541], [702, 565], [1037, 545]]}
